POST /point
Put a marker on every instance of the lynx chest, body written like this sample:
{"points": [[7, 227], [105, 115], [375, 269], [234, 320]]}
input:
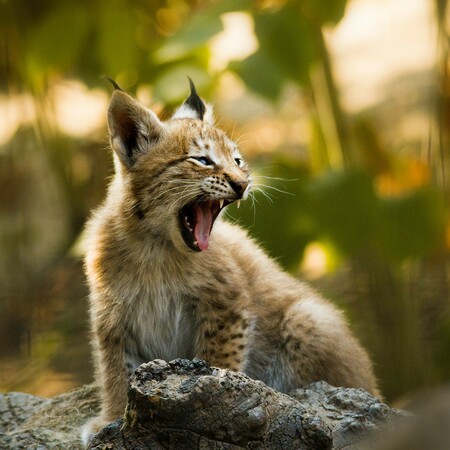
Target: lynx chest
{"points": [[161, 325]]}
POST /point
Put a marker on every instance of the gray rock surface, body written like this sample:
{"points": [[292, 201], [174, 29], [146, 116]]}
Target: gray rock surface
{"points": [[29, 422], [189, 405]]}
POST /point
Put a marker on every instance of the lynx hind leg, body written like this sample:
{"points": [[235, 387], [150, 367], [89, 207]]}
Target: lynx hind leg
{"points": [[320, 346]]}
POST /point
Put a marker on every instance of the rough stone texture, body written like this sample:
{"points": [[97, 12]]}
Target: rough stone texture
{"points": [[189, 405], [29, 422]]}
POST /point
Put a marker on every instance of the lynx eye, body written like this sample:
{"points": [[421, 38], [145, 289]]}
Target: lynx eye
{"points": [[203, 160], [239, 161]]}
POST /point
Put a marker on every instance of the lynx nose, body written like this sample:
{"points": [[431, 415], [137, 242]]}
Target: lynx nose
{"points": [[238, 186]]}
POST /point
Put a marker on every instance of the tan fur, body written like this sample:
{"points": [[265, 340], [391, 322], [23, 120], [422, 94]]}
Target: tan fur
{"points": [[153, 297]]}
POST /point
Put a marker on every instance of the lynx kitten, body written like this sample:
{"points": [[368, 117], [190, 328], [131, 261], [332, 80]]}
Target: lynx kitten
{"points": [[170, 278]]}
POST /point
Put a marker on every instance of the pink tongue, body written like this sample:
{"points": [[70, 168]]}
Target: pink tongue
{"points": [[202, 226]]}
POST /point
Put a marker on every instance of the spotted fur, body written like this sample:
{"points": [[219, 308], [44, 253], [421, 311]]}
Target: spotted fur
{"points": [[153, 297]]}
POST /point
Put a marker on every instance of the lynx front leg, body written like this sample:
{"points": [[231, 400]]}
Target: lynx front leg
{"points": [[112, 377], [222, 338]]}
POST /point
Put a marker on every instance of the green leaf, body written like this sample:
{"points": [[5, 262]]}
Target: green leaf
{"points": [[118, 50], [289, 40], [260, 73], [195, 34], [346, 209], [56, 42], [412, 225]]}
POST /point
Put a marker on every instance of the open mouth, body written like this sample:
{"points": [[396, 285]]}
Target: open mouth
{"points": [[196, 222]]}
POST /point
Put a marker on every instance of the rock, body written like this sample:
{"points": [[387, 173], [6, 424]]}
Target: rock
{"points": [[29, 422], [189, 405]]}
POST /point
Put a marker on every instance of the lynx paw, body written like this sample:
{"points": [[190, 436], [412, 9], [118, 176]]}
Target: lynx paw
{"points": [[92, 427]]}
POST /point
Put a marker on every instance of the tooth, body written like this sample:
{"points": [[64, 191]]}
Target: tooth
{"points": [[221, 201], [238, 203], [195, 243]]}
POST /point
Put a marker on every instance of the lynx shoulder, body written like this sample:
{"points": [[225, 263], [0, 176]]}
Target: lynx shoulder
{"points": [[169, 277]]}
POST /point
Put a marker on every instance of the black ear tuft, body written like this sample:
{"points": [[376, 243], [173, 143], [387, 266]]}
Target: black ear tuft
{"points": [[115, 85], [195, 102]]}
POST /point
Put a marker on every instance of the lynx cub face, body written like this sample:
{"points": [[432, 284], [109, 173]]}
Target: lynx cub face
{"points": [[169, 279], [179, 174]]}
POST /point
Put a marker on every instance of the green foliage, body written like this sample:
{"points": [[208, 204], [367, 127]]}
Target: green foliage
{"points": [[342, 208], [117, 49], [345, 208], [253, 70], [85, 39], [94, 38], [56, 42], [412, 224], [288, 40], [290, 44], [288, 49], [193, 36]]}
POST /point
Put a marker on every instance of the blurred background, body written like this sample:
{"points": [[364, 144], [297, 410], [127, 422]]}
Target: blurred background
{"points": [[342, 108]]}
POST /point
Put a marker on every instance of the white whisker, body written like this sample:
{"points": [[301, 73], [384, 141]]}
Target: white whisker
{"points": [[266, 195], [277, 178], [166, 191], [185, 196], [267, 186]]}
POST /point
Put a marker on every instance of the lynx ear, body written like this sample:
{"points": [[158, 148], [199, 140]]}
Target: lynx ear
{"points": [[194, 107], [133, 128]]}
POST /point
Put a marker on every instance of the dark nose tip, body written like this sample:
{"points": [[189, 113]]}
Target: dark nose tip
{"points": [[238, 186]]}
